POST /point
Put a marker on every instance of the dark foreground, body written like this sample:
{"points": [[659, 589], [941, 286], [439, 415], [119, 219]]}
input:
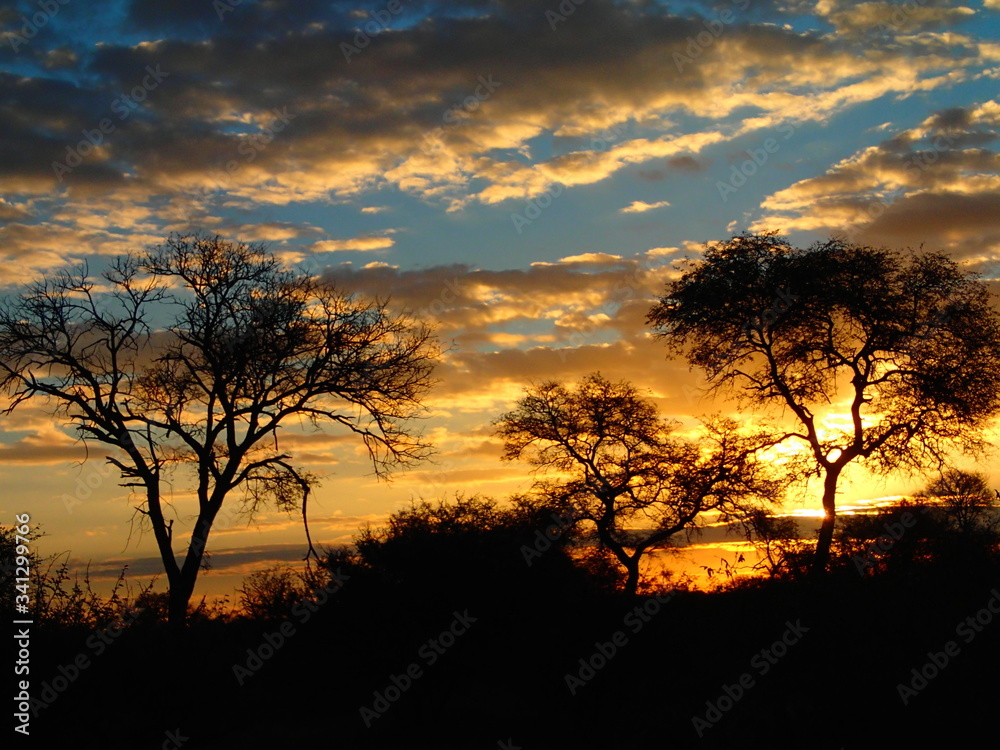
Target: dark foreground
{"points": [[801, 664]]}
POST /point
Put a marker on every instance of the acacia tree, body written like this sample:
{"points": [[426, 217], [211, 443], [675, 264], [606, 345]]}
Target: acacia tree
{"points": [[247, 346], [621, 469], [966, 499], [910, 342]]}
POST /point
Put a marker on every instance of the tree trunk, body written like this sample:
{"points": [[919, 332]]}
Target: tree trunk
{"points": [[178, 597], [632, 577], [822, 556], [631, 564], [182, 588]]}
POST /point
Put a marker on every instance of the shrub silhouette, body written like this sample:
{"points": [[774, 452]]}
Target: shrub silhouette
{"points": [[270, 594], [916, 538], [472, 546]]}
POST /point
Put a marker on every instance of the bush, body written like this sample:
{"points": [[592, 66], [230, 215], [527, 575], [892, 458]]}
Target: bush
{"points": [[473, 544]]}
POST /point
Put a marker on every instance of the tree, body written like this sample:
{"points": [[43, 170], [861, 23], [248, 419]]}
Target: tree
{"points": [[472, 544], [270, 594], [967, 501], [897, 539], [779, 545], [911, 340], [622, 470], [248, 346]]}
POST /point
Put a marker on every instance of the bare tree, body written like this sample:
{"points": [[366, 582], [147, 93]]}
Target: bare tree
{"points": [[910, 342], [620, 469], [244, 347]]}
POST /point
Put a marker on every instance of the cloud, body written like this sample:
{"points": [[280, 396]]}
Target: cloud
{"points": [[638, 207], [554, 320], [359, 244], [270, 231], [549, 304], [888, 18], [599, 259], [202, 140], [39, 451], [61, 58], [242, 559], [936, 184]]}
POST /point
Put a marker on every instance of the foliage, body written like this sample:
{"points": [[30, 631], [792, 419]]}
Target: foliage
{"points": [[473, 544], [250, 345], [59, 597], [781, 550], [619, 467], [911, 340], [967, 500], [270, 594], [950, 527]]}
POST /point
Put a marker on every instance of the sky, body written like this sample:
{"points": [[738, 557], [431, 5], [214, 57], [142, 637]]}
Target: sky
{"points": [[525, 174]]}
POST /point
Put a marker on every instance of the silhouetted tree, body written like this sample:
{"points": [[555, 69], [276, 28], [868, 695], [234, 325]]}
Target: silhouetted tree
{"points": [[247, 347], [270, 594], [623, 471], [912, 341], [966, 499], [892, 539], [777, 541]]}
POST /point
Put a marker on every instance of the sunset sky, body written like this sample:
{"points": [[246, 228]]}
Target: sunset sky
{"points": [[523, 173]]}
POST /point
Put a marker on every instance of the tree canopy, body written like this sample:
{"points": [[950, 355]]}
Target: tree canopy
{"points": [[612, 461], [195, 354], [905, 344]]}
